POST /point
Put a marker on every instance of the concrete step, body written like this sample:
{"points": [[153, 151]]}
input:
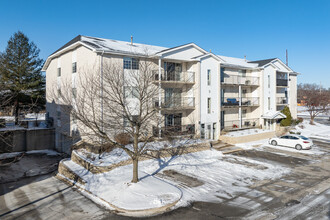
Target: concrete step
{"points": [[229, 149]]}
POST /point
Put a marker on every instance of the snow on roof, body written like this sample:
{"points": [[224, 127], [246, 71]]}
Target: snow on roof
{"points": [[273, 115], [108, 45], [238, 62]]}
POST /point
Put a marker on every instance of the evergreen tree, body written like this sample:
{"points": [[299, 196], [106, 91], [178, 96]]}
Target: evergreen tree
{"points": [[20, 73], [288, 120]]}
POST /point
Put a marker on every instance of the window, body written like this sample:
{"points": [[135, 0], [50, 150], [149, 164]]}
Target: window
{"points": [[131, 63], [208, 77], [208, 105], [268, 103], [74, 67], [244, 113], [202, 131], [209, 131], [125, 122], [131, 92], [242, 73], [244, 91], [59, 72], [58, 117], [74, 93], [268, 81], [59, 93], [74, 119]]}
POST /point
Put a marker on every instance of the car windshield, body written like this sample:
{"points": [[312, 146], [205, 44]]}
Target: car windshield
{"points": [[303, 137]]}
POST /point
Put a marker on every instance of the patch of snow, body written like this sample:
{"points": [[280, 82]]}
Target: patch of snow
{"points": [[252, 145], [318, 130], [9, 155], [48, 152], [246, 132]]}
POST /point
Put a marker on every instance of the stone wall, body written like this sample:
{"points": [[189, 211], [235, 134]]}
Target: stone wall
{"points": [[247, 138]]}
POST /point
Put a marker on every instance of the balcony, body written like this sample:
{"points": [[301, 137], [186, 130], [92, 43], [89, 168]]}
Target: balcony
{"points": [[174, 77], [175, 130], [175, 103], [246, 123], [282, 82], [235, 102], [281, 101], [240, 80]]}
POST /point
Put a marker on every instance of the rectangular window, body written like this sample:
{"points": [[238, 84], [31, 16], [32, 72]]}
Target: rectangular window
{"points": [[131, 92], [268, 81], [208, 105], [202, 131], [242, 73], [74, 67], [59, 72], [74, 93], [125, 122], [131, 63], [208, 77], [244, 111], [59, 93], [268, 103], [74, 119]]}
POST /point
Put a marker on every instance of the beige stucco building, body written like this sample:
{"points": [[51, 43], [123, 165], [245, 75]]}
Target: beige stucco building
{"points": [[200, 93]]}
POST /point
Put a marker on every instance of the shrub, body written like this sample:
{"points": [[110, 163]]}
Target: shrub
{"points": [[288, 120], [123, 138]]}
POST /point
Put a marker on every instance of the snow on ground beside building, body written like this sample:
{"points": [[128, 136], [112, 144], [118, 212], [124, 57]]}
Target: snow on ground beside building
{"points": [[14, 154], [245, 132], [253, 144], [117, 155], [314, 131], [220, 178], [315, 150]]}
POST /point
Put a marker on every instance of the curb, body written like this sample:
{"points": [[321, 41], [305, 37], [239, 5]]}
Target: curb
{"points": [[120, 211]]}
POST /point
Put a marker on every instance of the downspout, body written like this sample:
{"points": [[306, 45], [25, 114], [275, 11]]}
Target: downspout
{"points": [[159, 97], [102, 123]]}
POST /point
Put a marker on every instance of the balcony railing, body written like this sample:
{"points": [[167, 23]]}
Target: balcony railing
{"points": [[240, 80], [236, 102], [175, 76], [175, 102], [246, 123], [281, 100], [281, 82], [175, 130]]}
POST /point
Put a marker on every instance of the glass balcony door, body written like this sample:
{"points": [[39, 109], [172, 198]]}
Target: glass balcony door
{"points": [[172, 97], [172, 71]]}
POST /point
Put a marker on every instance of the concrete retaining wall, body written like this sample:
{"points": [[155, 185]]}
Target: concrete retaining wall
{"points": [[247, 138], [27, 140]]}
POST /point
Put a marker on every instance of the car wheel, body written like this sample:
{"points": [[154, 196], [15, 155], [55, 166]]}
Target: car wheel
{"points": [[298, 147], [274, 143]]}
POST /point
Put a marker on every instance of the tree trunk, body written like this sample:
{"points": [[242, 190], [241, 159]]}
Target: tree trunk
{"points": [[135, 170], [16, 108], [312, 120]]}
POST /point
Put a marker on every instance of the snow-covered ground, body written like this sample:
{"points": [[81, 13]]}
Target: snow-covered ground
{"points": [[14, 154], [314, 131], [220, 178], [245, 132], [117, 155]]}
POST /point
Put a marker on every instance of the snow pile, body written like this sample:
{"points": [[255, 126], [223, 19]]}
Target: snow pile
{"points": [[14, 154], [246, 132], [314, 131], [220, 175], [252, 145]]}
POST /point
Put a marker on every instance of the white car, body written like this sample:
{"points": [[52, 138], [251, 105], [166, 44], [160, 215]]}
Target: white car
{"points": [[291, 140]]}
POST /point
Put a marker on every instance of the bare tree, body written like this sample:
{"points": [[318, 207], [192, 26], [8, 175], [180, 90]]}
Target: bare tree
{"points": [[315, 98], [113, 106]]}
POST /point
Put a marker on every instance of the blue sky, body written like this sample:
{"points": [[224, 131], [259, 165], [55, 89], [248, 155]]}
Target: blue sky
{"points": [[258, 29]]}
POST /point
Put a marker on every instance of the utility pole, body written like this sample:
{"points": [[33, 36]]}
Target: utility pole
{"points": [[287, 58]]}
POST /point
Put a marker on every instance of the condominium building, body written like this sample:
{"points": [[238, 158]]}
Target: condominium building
{"points": [[200, 93]]}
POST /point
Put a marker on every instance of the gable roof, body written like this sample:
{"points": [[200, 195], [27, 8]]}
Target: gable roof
{"points": [[237, 62], [273, 115], [263, 62]]}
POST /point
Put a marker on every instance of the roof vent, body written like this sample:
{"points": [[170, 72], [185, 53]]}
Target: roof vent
{"points": [[131, 40], [245, 58]]}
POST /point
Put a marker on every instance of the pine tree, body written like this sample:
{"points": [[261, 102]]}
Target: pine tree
{"points": [[20, 73], [288, 120]]}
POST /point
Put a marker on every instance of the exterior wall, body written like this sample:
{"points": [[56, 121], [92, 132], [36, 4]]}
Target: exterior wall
{"points": [[269, 92], [210, 91], [293, 95]]}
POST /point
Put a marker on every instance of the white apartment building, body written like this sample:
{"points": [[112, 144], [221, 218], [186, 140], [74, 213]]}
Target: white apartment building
{"points": [[200, 93]]}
